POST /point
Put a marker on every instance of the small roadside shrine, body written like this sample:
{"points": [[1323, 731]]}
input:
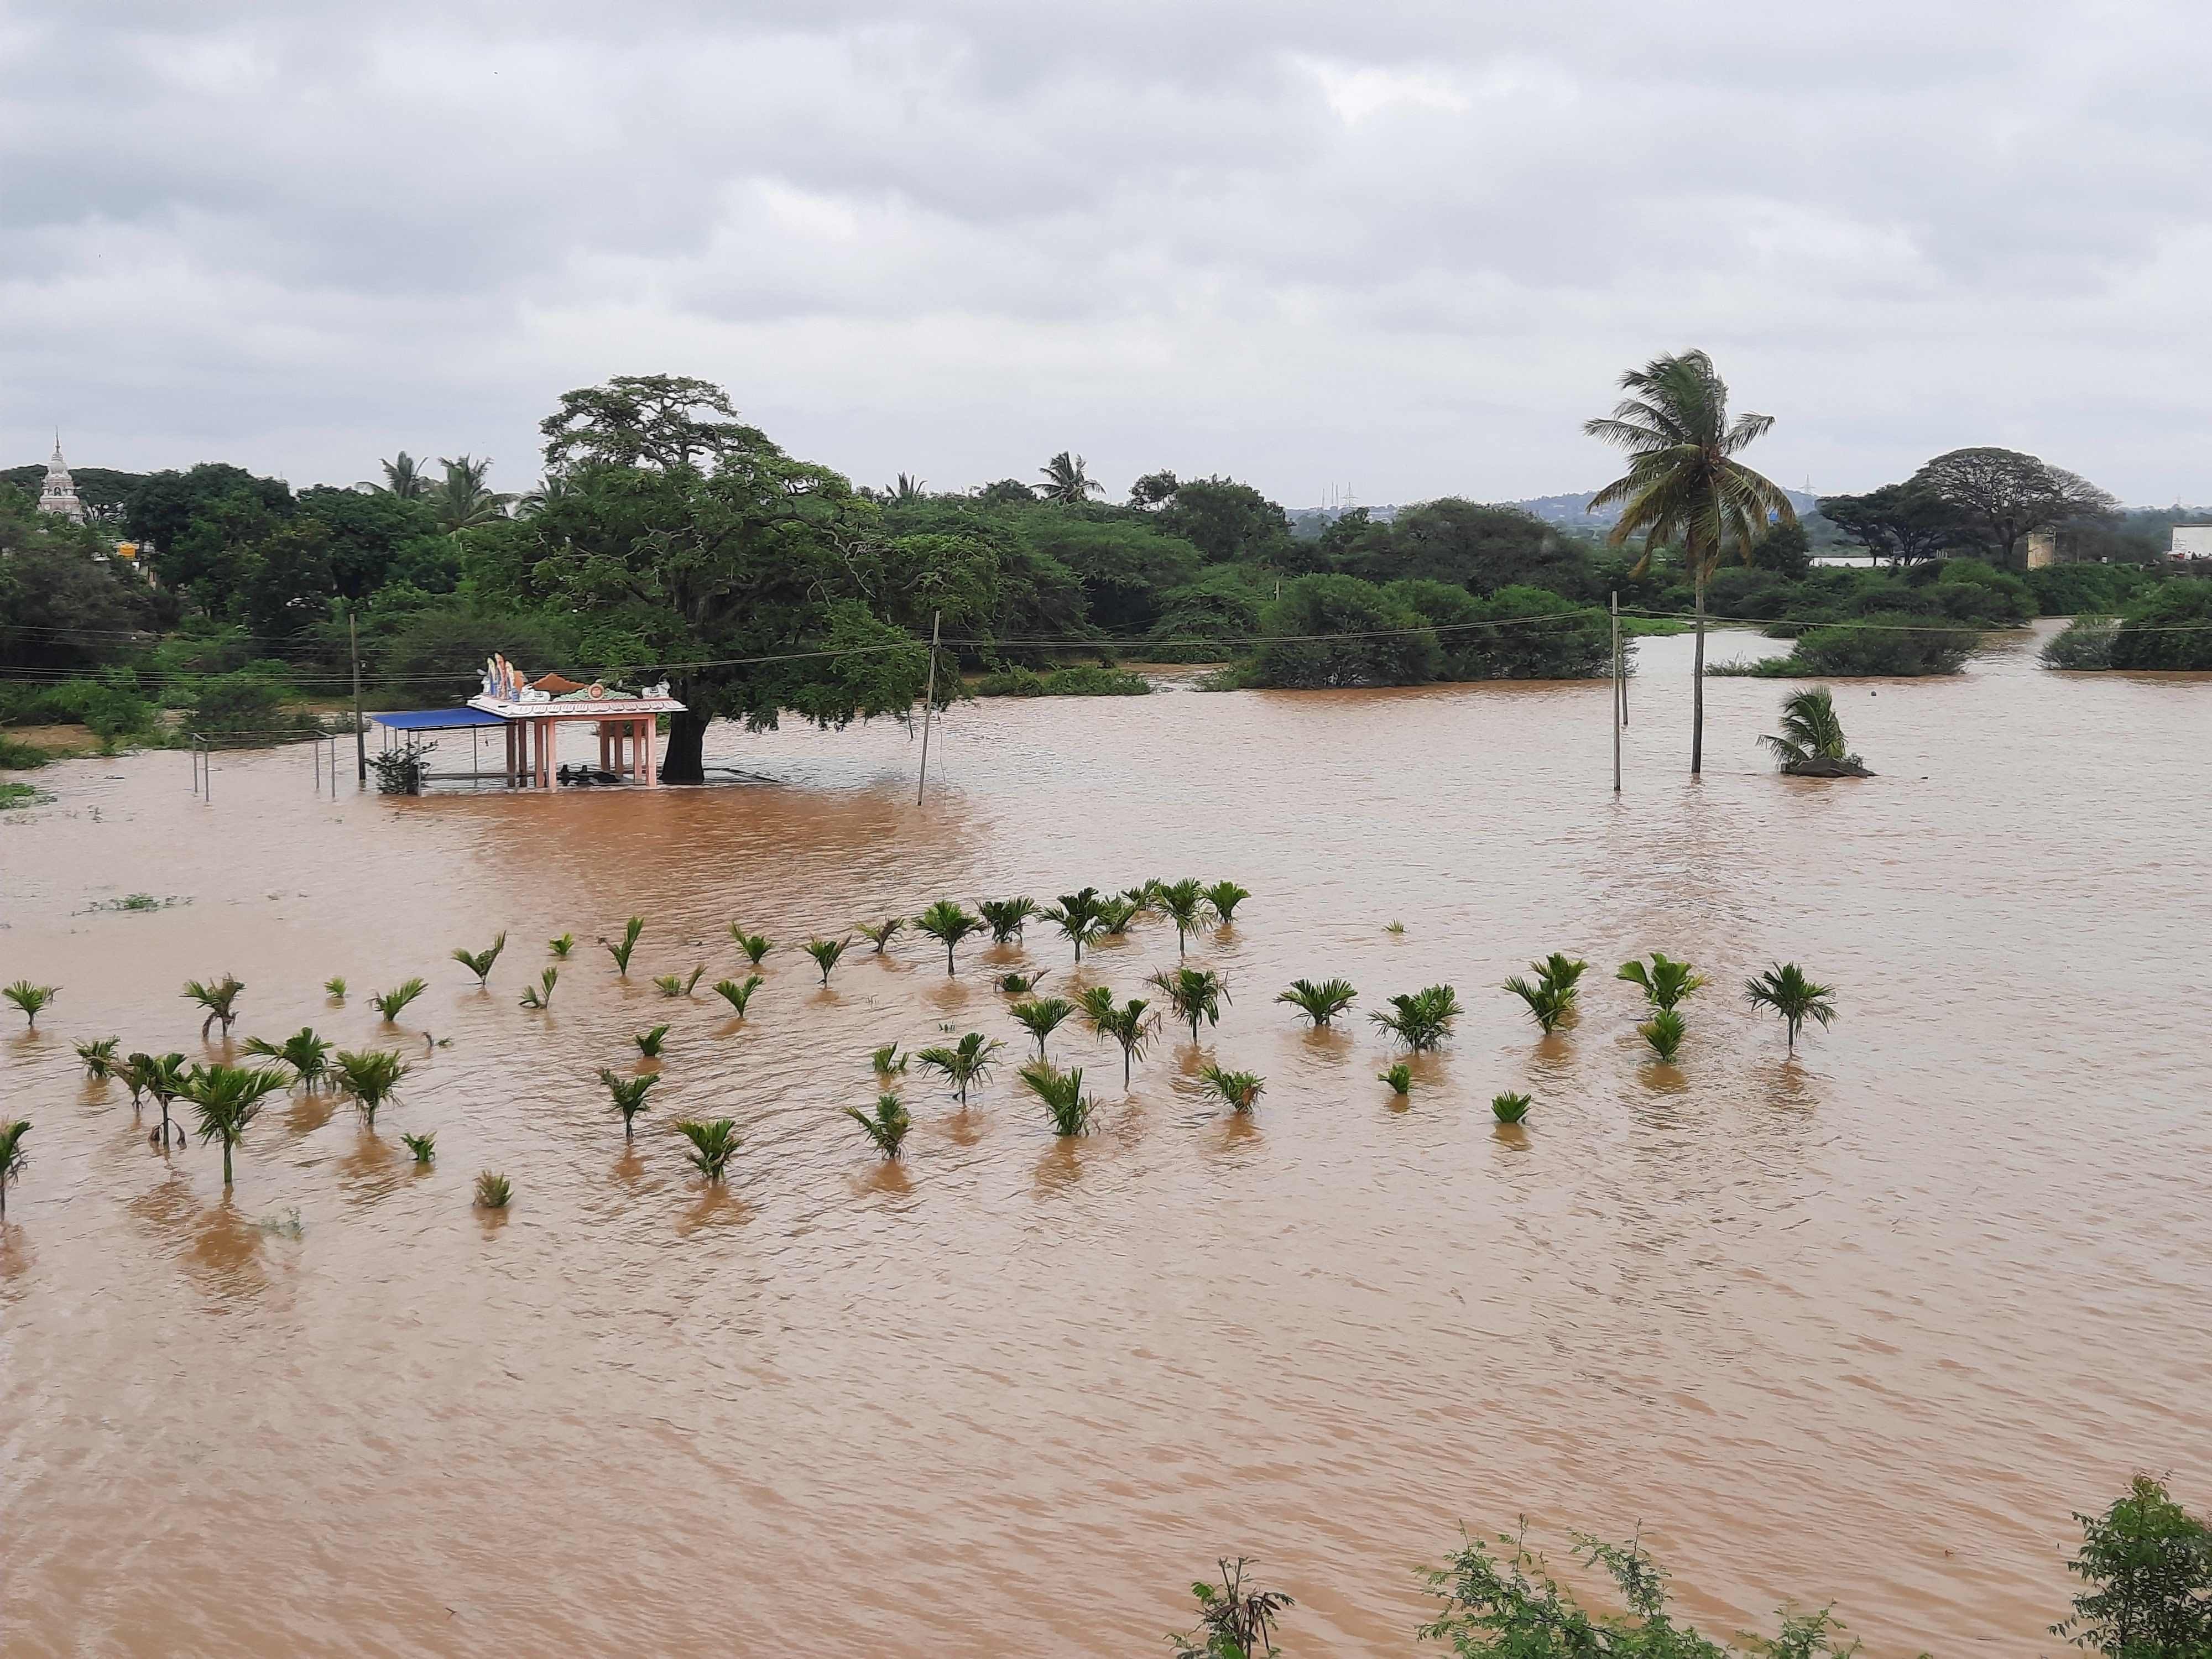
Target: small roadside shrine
{"points": [[534, 711]]}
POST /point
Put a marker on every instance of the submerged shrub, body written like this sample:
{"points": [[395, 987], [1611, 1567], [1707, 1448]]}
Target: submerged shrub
{"points": [[1080, 681], [2086, 644]]}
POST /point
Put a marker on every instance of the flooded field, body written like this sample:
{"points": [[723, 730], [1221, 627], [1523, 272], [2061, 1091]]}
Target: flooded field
{"points": [[1861, 1329]]}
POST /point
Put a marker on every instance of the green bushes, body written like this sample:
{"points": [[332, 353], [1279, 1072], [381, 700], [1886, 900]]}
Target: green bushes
{"points": [[1892, 645], [2085, 647], [2169, 629], [1081, 681], [2148, 1566], [1335, 631], [2077, 590]]}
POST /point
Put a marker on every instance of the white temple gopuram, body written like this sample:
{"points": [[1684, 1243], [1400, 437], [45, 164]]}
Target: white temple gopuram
{"points": [[59, 493]]}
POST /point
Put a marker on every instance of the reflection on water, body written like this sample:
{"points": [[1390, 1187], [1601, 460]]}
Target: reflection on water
{"points": [[1862, 1325]]}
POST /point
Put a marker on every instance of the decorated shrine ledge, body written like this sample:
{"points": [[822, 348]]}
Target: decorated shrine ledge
{"points": [[534, 709]]}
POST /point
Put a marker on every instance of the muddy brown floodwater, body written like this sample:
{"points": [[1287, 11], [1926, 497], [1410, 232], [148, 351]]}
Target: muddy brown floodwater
{"points": [[1863, 1328]]}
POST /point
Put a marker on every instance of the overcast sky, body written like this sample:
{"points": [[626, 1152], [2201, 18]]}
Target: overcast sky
{"points": [[1400, 249]]}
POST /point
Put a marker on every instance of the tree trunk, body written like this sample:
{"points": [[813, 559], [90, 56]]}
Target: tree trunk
{"points": [[226, 1162], [1698, 687], [681, 761]]}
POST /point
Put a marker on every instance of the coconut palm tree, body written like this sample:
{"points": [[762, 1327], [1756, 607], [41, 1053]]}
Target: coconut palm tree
{"points": [[886, 1126], [1785, 989], [479, 961], [227, 1099], [712, 1145], [1239, 1089], [1685, 485], [370, 1077], [826, 952], [738, 995], [1195, 994], [1066, 482], [163, 1076], [1812, 736], [1223, 898], [1182, 902], [881, 933], [621, 953], [1321, 1003], [99, 1057], [220, 998], [11, 1157], [31, 998], [1665, 982], [1078, 915], [1423, 1019], [948, 924], [628, 1094], [1005, 916], [1062, 1095], [303, 1051], [966, 1063], [402, 477], [392, 1003], [462, 500], [1041, 1017]]}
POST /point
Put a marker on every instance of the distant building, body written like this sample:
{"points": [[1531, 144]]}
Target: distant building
{"points": [[59, 493], [2192, 541]]}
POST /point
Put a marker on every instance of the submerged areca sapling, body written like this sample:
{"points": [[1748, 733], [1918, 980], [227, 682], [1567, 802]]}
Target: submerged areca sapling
{"points": [[755, 945], [494, 1192], [1422, 1020], [1321, 1003], [1020, 985], [1078, 915], [1551, 998], [945, 921], [628, 1094], [1664, 1031], [649, 1042], [738, 995], [1182, 902], [712, 1145], [424, 1146], [163, 1076], [540, 995], [621, 953], [1240, 1089], [391, 1003], [99, 1057], [306, 1053], [227, 1098], [334, 987], [1223, 898], [1130, 1025], [561, 946], [1509, 1108], [1785, 989], [220, 998], [886, 1126], [1399, 1077], [826, 952], [881, 933], [31, 998], [1116, 914], [12, 1157], [966, 1063], [370, 1077], [1041, 1017], [1062, 1095], [479, 961], [1004, 917], [1665, 982], [888, 1060], [1195, 994]]}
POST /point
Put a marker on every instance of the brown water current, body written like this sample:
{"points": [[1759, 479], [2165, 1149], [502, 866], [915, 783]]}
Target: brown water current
{"points": [[1863, 1327]]}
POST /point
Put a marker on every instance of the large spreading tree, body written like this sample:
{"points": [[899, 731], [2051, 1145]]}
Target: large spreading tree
{"points": [[2011, 495], [684, 542]]}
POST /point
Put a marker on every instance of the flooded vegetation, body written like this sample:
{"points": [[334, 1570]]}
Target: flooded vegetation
{"points": [[800, 1326]]}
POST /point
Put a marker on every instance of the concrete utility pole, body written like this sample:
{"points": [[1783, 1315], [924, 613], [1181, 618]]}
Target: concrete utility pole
{"points": [[360, 731], [1616, 721], [928, 705]]}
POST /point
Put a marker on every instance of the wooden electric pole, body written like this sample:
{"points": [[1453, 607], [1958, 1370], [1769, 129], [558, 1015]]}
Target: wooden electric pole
{"points": [[928, 705]]}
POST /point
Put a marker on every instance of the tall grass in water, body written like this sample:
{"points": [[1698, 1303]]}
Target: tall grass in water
{"points": [[1509, 1108], [888, 1060], [880, 933], [424, 1146], [1399, 1077], [649, 1042], [755, 945]]}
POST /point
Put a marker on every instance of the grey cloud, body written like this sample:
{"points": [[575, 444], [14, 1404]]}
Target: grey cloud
{"points": [[1405, 246]]}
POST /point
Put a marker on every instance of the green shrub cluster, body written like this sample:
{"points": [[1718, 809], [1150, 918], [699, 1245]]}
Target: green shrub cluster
{"points": [[1337, 630], [1082, 680]]}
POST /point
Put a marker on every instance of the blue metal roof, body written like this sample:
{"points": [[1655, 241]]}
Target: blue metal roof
{"points": [[436, 720]]}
